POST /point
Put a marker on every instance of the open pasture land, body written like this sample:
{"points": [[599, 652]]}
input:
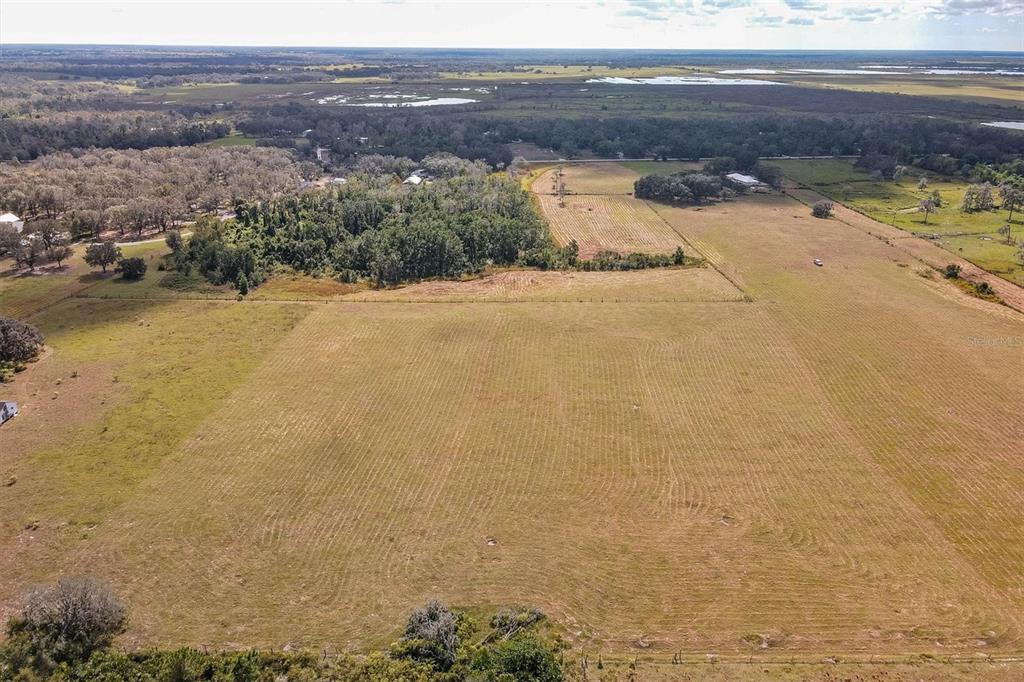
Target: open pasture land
{"points": [[22, 294], [972, 236], [599, 211], [600, 177], [832, 469]]}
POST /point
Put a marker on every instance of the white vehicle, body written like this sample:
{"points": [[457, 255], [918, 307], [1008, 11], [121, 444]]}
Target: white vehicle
{"points": [[817, 261]]}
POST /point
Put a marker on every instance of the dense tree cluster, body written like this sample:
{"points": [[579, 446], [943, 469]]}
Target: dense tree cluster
{"points": [[27, 138], [349, 132], [29, 96], [374, 227], [678, 188], [133, 190]]}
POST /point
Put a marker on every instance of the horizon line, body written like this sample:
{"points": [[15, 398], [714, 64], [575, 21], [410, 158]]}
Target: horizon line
{"points": [[10, 44]]}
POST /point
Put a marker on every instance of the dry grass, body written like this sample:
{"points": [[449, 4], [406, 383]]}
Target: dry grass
{"points": [[523, 286], [608, 223], [832, 469]]}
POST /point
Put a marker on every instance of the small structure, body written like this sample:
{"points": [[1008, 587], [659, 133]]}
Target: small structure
{"points": [[323, 154], [338, 181], [7, 410], [412, 180], [11, 220], [745, 181]]}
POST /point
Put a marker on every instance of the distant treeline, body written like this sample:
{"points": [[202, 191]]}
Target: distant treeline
{"points": [[28, 138], [744, 137]]}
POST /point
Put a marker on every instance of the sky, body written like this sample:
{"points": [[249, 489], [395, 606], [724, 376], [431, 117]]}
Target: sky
{"points": [[654, 24]]}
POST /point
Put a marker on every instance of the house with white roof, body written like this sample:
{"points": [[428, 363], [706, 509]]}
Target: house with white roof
{"points": [[13, 221]]}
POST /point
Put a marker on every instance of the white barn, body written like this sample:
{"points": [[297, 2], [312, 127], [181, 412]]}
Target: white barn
{"points": [[7, 410], [9, 219], [743, 180]]}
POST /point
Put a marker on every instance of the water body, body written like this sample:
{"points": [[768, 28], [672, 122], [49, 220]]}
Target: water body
{"points": [[850, 72], [420, 102], [681, 80], [1012, 125], [750, 72], [436, 102]]}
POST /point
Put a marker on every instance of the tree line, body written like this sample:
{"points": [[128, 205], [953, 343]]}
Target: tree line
{"points": [[26, 138], [743, 136]]}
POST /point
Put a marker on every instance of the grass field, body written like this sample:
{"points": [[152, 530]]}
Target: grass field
{"points": [[829, 466], [1006, 91], [972, 236], [599, 211]]}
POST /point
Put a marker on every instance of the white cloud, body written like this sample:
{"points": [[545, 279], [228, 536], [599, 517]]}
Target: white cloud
{"points": [[653, 24]]}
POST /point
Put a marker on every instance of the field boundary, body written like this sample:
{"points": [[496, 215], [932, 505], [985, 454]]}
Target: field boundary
{"points": [[1002, 285], [417, 301], [746, 295]]}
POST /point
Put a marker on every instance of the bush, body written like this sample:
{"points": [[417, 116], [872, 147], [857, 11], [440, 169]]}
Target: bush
{"points": [[173, 240], [612, 260], [66, 623], [431, 636], [19, 341], [822, 209], [523, 659], [132, 269], [951, 271]]}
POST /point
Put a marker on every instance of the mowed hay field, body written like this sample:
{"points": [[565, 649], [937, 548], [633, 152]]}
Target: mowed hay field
{"points": [[833, 468], [599, 211]]}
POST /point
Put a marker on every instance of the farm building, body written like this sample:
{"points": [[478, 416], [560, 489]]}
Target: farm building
{"points": [[412, 180], [9, 219], [7, 410], [745, 181]]}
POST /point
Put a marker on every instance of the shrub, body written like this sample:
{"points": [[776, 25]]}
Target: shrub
{"points": [[822, 209], [132, 269], [678, 258], [523, 659], [19, 341], [509, 621], [431, 636], [173, 240], [242, 284], [67, 622], [951, 271]]}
